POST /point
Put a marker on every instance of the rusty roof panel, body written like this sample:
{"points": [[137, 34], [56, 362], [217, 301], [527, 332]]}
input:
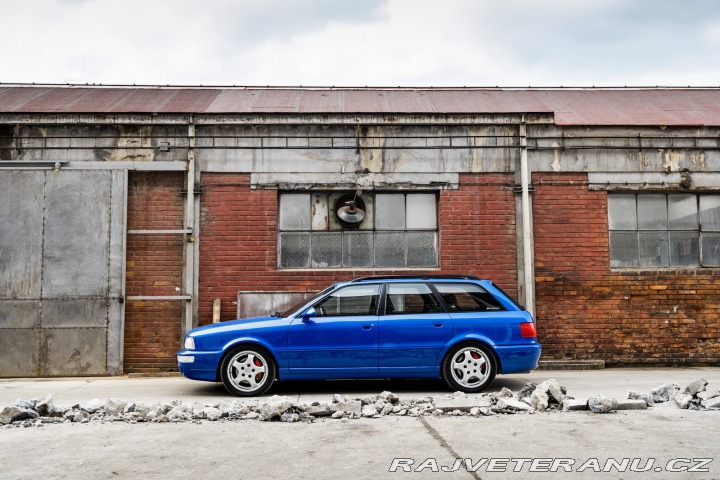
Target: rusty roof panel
{"points": [[276, 100], [572, 106], [232, 101], [364, 101], [190, 101], [325, 101]]}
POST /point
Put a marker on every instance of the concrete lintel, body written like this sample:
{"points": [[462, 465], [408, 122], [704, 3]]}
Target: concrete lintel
{"points": [[651, 180], [435, 181]]}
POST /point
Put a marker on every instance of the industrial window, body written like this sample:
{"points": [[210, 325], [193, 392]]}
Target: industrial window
{"points": [[374, 230], [664, 230]]}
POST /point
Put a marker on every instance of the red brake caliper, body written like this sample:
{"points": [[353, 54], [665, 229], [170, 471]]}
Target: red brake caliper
{"points": [[260, 375], [474, 355]]}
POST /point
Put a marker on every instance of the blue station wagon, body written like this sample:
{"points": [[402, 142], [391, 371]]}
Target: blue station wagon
{"points": [[461, 329]]}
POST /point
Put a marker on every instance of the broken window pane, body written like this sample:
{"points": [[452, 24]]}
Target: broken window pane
{"points": [[710, 212], [652, 212], [326, 250], [682, 212], [623, 249], [390, 249], [294, 250], [389, 211], [653, 249], [684, 249], [295, 211], [421, 211], [622, 212], [319, 209], [357, 249]]}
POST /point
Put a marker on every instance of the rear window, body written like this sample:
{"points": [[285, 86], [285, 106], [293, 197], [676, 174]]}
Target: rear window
{"points": [[467, 297]]}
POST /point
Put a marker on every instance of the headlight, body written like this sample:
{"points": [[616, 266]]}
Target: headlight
{"points": [[189, 343]]}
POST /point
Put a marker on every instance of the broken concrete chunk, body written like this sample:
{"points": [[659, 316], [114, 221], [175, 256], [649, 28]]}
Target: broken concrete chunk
{"points": [[45, 407], [513, 404], [553, 389], [354, 406], [526, 390], [212, 413], [665, 392], [114, 407], [275, 407], [635, 395], [369, 411], [370, 399], [503, 393], [539, 400], [683, 399], [708, 394], [601, 404], [711, 402], [696, 387], [389, 397], [572, 404], [322, 410], [16, 414], [631, 404], [93, 405]]}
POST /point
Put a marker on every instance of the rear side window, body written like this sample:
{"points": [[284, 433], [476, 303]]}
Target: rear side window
{"points": [[467, 297], [410, 298]]}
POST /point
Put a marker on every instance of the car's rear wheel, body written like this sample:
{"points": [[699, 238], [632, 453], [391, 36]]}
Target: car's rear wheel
{"points": [[469, 367], [248, 371]]}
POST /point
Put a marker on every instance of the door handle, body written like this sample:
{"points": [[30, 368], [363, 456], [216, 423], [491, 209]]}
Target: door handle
{"points": [[438, 324], [367, 327]]}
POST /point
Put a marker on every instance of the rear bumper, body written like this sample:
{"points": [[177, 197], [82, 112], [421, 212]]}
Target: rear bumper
{"points": [[519, 358]]}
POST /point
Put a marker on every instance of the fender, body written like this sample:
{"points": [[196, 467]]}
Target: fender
{"points": [[472, 337], [279, 355]]}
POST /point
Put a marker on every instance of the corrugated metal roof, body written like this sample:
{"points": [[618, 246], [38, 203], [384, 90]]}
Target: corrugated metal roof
{"points": [[571, 106]]}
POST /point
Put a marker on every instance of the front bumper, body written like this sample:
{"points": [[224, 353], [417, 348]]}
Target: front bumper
{"points": [[199, 365]]}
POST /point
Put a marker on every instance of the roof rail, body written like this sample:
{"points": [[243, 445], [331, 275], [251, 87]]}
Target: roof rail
{"points": [[422, 277]]}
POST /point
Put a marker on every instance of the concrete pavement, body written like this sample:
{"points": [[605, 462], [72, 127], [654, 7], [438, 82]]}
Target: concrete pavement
{"points": [[661, 442], [580, 384]]}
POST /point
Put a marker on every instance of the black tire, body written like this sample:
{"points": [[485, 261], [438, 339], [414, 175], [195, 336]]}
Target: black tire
{"points": [[247, 371], [469, 367]]}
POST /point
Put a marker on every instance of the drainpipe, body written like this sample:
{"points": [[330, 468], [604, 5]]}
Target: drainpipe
{"points": [[189, 269], [526, 222]]}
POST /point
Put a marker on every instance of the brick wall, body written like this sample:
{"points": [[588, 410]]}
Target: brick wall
{"points": [[585, 310], [154, 267], [238, 240]]}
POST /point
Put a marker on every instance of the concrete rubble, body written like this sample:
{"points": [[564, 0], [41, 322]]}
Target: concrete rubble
{"points": [[548, 396]]}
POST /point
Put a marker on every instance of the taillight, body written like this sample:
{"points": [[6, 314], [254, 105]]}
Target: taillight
{"points": [[527, 330]]}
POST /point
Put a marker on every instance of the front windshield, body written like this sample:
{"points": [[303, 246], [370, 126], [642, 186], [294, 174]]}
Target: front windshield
{"points": [[303, 302]]}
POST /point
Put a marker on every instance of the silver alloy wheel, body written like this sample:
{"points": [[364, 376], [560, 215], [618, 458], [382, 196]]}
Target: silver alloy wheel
{"points": [[470, 367], [247, 370]]}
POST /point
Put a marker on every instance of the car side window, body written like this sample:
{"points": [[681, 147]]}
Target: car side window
{"points": [[350, 300], [408, 298], [467, 297]]}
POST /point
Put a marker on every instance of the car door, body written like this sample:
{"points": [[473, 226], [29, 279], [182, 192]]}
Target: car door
{"points": [[413, 329], [342, 337]]}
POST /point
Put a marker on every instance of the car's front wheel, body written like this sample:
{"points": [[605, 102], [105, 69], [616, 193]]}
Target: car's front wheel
{"points": [[248, 371], [469, 367]]}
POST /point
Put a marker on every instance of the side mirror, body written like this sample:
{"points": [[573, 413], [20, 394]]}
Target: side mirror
{"points": [[309, 314]]}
